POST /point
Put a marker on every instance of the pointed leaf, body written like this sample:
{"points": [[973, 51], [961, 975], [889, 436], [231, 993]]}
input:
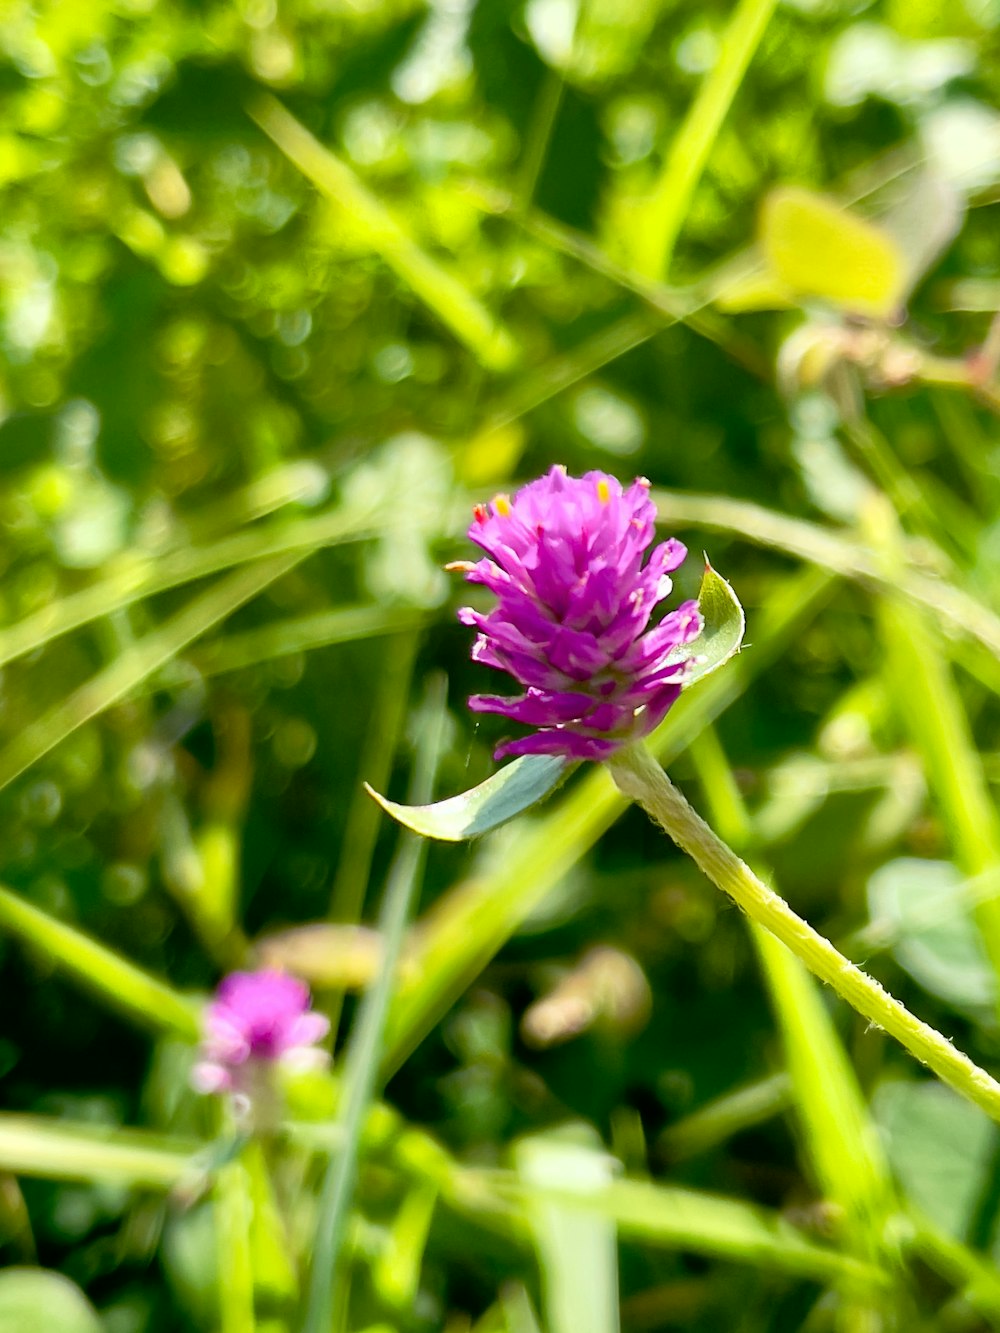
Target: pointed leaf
{"points": [[725, 624], [514, 789]]}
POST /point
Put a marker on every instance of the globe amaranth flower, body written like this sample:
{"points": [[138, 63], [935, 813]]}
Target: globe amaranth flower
{"points": [[564, 557], [256, 1020]]}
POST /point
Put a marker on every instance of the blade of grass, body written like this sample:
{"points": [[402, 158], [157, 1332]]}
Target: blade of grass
{"points": [[920, 683], [115, 980], [364, 1052], [358, 847], [136, 664], [232, 1213], [687, 1219], [725, 1116], [33, 1145], [673, 305], [974, 1275], [388, 716], [840, 1139], [473, 921], [562, 371], [536, 145], [143, 576], [439, 289], [576, 1248], [664, 214], [343, 624]]}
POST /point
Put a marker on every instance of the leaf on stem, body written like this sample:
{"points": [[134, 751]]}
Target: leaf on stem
{"points": [[725, 624], [514, 789]]}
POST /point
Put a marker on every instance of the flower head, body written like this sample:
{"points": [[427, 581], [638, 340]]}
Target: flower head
{"points": [[564, 557], [256, 1019]]}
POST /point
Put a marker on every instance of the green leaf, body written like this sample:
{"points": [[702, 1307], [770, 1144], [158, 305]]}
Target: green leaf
{"points": [[514, 789], [38, 1298], [725, 624], [816, 248], [923, 909], [940, 1148]]}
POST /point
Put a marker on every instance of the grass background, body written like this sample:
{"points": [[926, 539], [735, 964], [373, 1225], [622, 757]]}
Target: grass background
{"points": [[286, 287]]}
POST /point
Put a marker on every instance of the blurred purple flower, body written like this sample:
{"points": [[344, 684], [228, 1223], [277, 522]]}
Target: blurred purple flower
{"points": [[564, 558], [256, 1020]]}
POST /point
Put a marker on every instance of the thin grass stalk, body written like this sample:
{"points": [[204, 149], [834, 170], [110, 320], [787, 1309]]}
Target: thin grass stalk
{"points": [[364, 1053]]}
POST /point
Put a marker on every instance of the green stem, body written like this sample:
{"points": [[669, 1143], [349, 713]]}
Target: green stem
{"points": [[640, 777], [689, 152], [364, 1051]]}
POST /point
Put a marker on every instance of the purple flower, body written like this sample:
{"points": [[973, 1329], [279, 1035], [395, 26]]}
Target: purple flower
{"points": [[571, 624], [256, 1020]]}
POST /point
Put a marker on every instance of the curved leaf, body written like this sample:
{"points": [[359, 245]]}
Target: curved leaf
{"points": [[506, 794], [40, 1298], [725, 624]]}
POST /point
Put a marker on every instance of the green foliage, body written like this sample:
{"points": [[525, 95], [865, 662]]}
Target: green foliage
{"points": [[286, 288]]}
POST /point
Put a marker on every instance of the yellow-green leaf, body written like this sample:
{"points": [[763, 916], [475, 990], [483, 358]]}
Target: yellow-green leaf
{"points": [[816, 248]]}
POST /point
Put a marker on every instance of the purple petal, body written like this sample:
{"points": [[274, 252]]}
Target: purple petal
{"points": [[565, 560], [569, 744]]}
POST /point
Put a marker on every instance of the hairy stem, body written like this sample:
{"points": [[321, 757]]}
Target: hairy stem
{"points": [[641, 778]]}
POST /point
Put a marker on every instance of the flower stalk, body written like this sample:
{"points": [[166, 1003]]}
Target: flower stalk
{"points": [[640, 777]]}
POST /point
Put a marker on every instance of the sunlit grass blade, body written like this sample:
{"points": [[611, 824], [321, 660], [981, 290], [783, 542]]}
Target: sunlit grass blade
{"points": [[116, 981], [33, 1145], [577, 1249], [233, 1214], [357, 851], [388, 717], [364, 1052], [973, 1274], [684, 1219], [469, 925], [275, 1278], [920, 682], [840, 1139], [732, 1113], [664, 213], [440, 290], [137, 576], [280, 638], [673, 305], [136, 664], [540, 384], [517, 1310]]}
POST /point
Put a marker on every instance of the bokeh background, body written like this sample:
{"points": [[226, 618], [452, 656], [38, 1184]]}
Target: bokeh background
{"points": [[285, 287]]}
